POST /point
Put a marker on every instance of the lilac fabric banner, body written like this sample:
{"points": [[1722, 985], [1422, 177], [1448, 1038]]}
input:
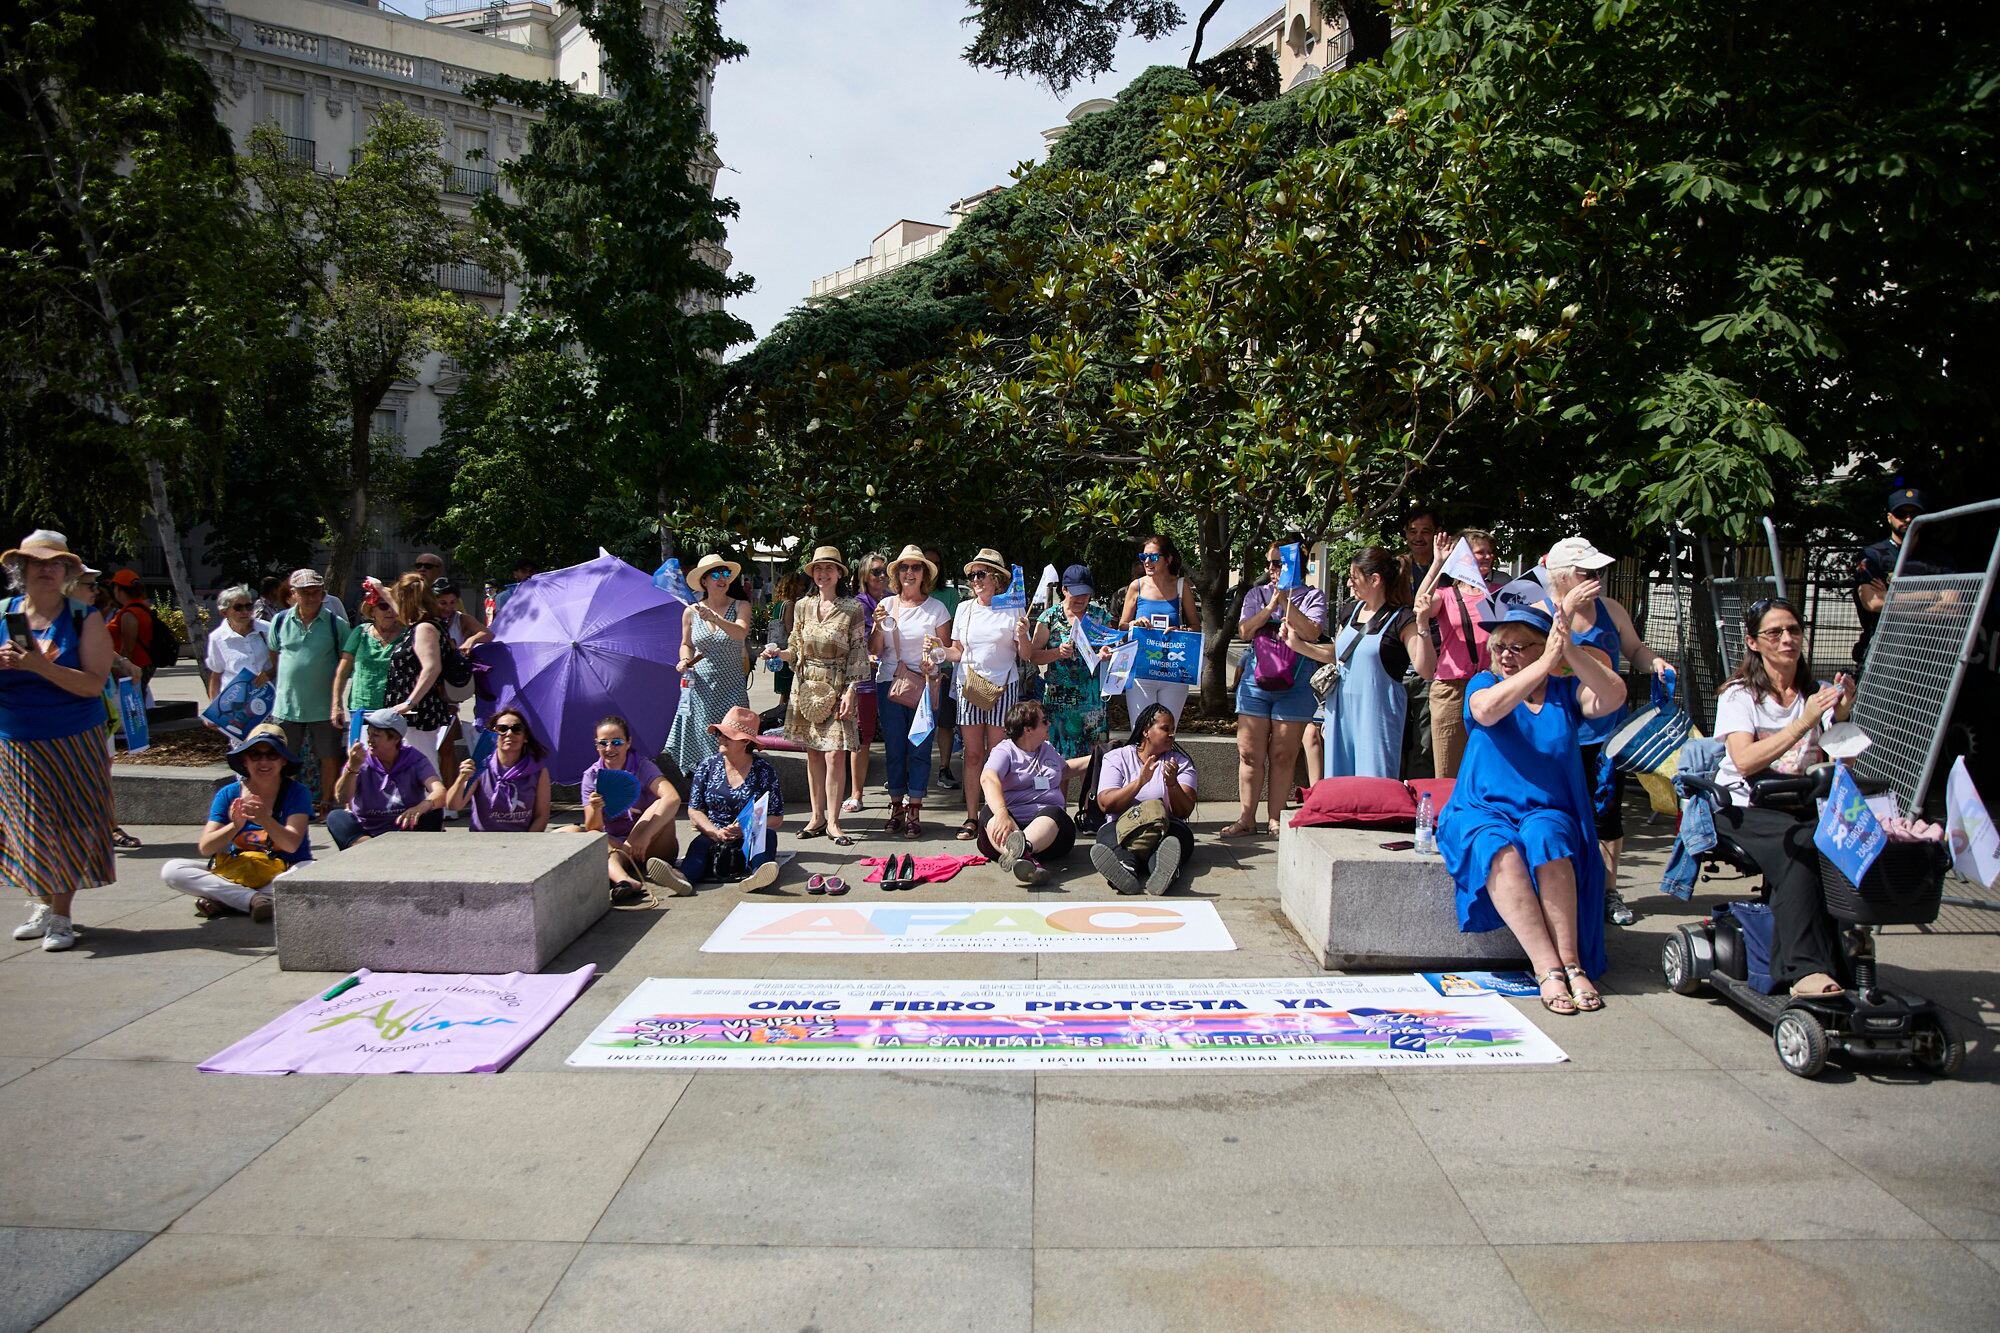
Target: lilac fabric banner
{"points": [[408, 1023]]}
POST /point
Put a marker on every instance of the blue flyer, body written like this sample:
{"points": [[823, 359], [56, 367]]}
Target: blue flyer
{"points": [[1168, 656], [1016, 596], [1118, 669], [239, 705], [132, 716], [1849, 834], [1453, 984], [1291, 558]]}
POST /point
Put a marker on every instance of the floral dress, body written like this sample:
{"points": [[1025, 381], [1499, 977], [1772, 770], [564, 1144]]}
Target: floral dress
{"points": [[830, 640], [1070, 693], [716, 684]]}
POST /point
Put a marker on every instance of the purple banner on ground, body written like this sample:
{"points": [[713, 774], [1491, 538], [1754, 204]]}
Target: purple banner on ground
{"points": [[407, 1023]]}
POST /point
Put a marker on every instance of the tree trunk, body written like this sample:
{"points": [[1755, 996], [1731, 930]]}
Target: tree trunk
{"points": [[194, 614], [1217, 625], [353, 525]]}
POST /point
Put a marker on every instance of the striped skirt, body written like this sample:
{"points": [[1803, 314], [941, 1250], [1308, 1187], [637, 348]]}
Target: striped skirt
{"points": [[55, 814], [996, 716]]}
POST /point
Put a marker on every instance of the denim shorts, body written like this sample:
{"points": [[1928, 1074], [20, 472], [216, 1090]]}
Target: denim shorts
{"points": [[1297, 704]]}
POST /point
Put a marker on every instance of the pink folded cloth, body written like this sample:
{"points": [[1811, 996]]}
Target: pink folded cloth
{"points": [[930, 869]]}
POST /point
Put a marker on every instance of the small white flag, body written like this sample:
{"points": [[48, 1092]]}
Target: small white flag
{"points": [[1975, 846], [1045, 589], [1461, 567], [923, 722]]}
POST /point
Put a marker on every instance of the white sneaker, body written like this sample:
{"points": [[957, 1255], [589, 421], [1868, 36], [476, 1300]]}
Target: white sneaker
{"points": [[664, 874], [36, 925], [1166, 864], [59, 934]]}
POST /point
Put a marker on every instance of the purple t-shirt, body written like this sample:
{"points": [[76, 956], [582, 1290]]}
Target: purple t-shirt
{"points": [[1311, 603], [1122, 765], [503, 800], [382, 794], [640, 767], [1031, 780]]}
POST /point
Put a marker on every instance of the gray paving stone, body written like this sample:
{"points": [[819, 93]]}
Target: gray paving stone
{"points": [[462, 1156], [870, 1158], [13, 1067], [1251, 1160], [1934, 1144], [57, 1002], [1987, 1250], [141, 1142], [203, 1022], [42, 1269], [1622, 1035], [713, 1289], [1719, 1032], [1462, 1288], [335, 1284], [1680, 1155], [1809, 1286]]}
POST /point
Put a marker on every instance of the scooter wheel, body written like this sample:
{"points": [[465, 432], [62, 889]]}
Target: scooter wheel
{"points": [[1801, 1043], [1677, 963], [1933, 1047]]}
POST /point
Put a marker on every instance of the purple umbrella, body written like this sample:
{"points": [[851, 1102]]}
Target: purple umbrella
{"points": [[575, 644]]}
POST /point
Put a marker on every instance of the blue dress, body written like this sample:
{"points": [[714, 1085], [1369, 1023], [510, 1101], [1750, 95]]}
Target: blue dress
{"points": [[1365, 711], [1520, 786]]}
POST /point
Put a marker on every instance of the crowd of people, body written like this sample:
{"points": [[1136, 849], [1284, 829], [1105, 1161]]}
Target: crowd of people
{"points": [[1508, 686]]}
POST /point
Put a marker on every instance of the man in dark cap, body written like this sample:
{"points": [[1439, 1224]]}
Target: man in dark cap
{"points": [[1878, 564]]}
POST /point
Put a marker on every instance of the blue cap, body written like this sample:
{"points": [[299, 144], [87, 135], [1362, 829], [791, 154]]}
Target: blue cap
{"points": [[1076, 581], [1906, 497]]}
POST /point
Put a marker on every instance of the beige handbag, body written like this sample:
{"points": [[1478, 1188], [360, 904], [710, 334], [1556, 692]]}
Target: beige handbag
{"points": [[906, 687], [981, 690], [815, 690]]}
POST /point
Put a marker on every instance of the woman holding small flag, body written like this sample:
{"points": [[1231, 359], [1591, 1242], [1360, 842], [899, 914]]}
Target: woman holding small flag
{"points": [[1071, 697], [1446, 609]]}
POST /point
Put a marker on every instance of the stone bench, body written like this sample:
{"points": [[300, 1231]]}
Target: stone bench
{"points": [[1359, 907], [159, 794], [432, 902]]}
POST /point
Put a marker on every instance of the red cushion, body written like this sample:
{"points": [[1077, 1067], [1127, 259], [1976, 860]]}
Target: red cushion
{"points": [[1439, 788], [1357, 803], [777, 740]]}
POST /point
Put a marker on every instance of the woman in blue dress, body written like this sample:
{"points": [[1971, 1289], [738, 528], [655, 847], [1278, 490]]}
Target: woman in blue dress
{"points": [[712, 662], [1366, 708], [1516, 834]]}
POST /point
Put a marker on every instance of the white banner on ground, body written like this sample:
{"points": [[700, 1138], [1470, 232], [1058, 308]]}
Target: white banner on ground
{"points": [[1975, 847], [1090, 927], [1221, 1023]]}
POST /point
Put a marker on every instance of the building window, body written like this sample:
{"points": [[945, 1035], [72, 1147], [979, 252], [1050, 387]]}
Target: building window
{"points": [[287, 111], [471, 171], [386, 424]]}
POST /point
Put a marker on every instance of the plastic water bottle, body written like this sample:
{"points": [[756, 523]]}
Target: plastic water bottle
{"points": [[1427, 842]]}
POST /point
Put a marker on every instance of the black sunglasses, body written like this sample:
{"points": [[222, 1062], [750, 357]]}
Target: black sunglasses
{"points": [[508, 729]]}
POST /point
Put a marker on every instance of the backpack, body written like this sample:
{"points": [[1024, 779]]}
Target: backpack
{"points": [[161, 644], [456, 670], [1090, 815]]}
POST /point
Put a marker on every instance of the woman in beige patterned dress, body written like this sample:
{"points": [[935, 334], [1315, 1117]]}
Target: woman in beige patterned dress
{"points": [[829, 656]]}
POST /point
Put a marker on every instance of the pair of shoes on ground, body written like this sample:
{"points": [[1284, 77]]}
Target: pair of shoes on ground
{"points": [[899, 872], [1159, 875], [55, 932], [1577, 995], [1014, 856]]}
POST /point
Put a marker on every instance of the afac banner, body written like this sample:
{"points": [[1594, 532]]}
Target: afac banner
{"points": [[1091, 927], [1225, 1023]]}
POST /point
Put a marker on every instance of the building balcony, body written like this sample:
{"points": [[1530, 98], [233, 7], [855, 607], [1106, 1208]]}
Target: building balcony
{"points": [[305, 152], [468, 280], [470, 180]]}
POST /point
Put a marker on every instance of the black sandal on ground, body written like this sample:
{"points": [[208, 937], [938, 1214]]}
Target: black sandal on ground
{"points": [[842, 840], [968, 831], [812, 831]]}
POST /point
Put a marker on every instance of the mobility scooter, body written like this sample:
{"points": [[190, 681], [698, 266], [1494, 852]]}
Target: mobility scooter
{"points": [[1903, 887]]}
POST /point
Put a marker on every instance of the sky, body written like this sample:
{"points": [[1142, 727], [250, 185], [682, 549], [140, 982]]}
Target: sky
{"points": [[850, 114]]}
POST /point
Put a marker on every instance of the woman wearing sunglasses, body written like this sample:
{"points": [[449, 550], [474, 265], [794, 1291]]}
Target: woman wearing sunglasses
{"points": [[644, 844], [1162, 595], [901, 625], [987, 642], [1769, 717], [713, 661], [510, 791], [718, 793]]}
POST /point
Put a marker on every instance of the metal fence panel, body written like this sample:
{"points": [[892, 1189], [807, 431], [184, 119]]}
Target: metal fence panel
{"points": [[1906, 686]]}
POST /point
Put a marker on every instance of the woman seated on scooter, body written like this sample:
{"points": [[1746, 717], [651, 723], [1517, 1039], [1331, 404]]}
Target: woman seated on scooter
{"points": [[1769, 717], [1517, 834]]}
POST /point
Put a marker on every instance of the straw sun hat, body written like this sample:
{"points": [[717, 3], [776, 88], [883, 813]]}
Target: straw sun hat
{"points": [[988, 558], [825, 555]]}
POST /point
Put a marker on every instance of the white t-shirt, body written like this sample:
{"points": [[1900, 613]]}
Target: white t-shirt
{"points": [[230, 652], [987, 632], [903, 633], [1738, 711]]}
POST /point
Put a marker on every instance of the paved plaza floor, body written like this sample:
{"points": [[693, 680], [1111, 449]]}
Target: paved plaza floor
{"points": [[1670, 1175]]}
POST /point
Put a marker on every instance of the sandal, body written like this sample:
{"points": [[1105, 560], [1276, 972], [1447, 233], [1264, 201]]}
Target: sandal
{"points": [[1557, 1004], [812, 831], [968, 830], [851, 806], [209, 910], [122, 840], [1585, 996], [1816, 986], [842, 840], [817, 884], [1242, 828]]}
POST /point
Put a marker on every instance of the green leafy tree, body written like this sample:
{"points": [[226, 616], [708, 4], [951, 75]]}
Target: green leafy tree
{"points": [[358, 255], [621, 236], [125, 319], [1063, 42]]}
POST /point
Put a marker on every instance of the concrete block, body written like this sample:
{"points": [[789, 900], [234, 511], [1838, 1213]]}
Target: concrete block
{"points": [[1360, 907], [154, 794], [427, 902]]}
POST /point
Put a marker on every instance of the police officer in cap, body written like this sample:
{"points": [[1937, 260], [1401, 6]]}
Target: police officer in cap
{"points": [[1878, 564]]}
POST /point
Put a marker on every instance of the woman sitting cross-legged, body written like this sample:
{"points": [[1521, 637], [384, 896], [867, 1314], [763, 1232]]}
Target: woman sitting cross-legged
{"points": [[722, 787], [510, 791], [1147, 787], [386, 785], [256, 831], [1024, 781], [643, 837], [1517, 834]]}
